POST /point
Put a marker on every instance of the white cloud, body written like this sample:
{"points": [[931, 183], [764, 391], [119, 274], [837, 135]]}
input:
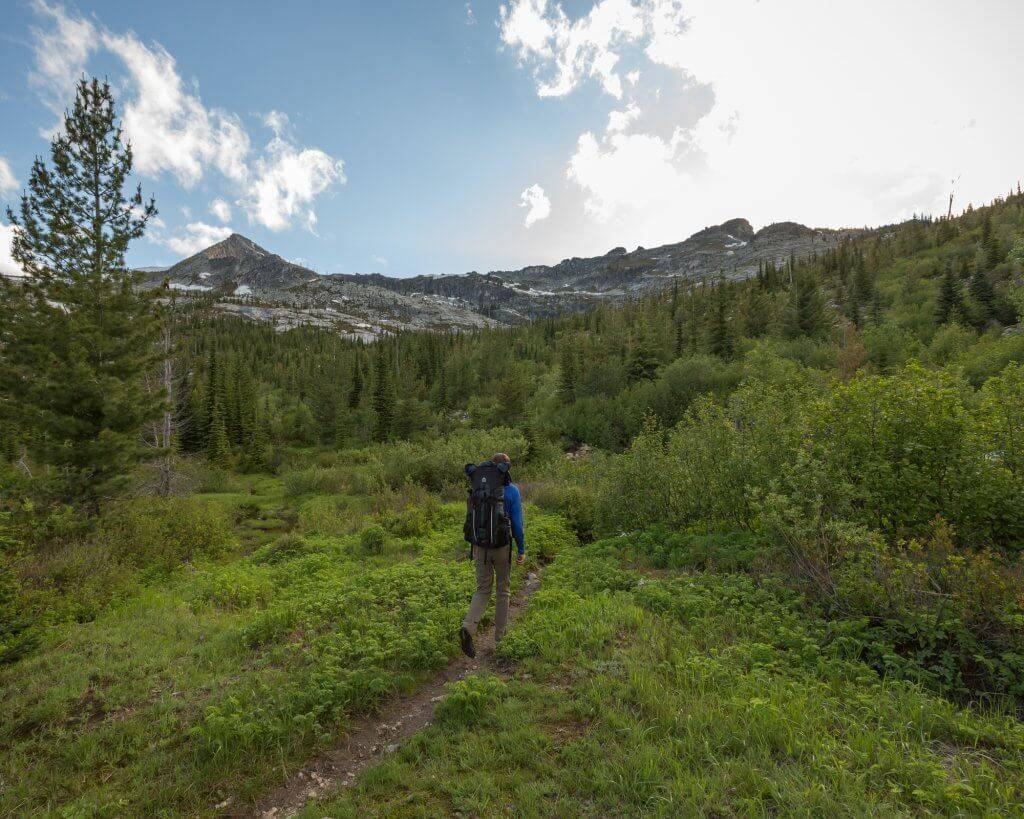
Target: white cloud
{"points": [[587, 47], [60, 55], [380, 260], [197, 236], [169, 128], [8, 184], [286, 179], [620, 120], [221, 209], [277, 121], [630, 178], [537, 204], [747, 108], [8, 266], [172, 131]]}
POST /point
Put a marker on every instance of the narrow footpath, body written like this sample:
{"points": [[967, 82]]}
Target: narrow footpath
{"points": [[369, 739]]}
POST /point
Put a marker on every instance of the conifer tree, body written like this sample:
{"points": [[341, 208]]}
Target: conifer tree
{"points": [[680, 339], [643, 362], [567, 375], [384, 398], [951, 303], [355, 394], [218, 448], [82, 341], [984, 298], [807, 313], [719, 333]]}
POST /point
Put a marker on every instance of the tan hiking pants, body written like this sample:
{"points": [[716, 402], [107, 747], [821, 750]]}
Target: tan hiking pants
{"points": [[490, 564]]}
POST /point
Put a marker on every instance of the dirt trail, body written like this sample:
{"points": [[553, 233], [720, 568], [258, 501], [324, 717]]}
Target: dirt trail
{"points": [[369, 739]]}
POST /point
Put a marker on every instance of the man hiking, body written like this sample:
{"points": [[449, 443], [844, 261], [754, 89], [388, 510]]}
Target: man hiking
{"points": [[494, 518]]}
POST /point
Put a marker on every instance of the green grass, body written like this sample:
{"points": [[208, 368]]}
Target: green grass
{"points": [[216, 682], [630, 691], [688, 694]]}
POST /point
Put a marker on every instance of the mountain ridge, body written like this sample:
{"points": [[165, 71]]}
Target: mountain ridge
{"points": [[246, 279]]}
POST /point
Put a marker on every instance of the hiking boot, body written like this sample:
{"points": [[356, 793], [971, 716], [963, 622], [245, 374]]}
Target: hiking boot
{"points": [[466, 641]]}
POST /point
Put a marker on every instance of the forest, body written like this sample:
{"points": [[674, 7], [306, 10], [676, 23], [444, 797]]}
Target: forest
{"points": [[777, 521]]}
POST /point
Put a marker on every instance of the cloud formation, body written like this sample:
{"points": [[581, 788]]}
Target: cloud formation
{"points": [[285, 181], [8, 184], [173, 132], [570, 51], [537, 204], [195, 237], [221, 209], [8, 267], [753, 108]]}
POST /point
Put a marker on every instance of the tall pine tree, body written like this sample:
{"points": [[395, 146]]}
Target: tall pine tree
{"points": [[384, 398], [79, 347], [951, 302]]}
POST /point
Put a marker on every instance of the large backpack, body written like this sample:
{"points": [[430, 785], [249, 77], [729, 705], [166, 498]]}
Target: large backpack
{"points": [[487, 525]]}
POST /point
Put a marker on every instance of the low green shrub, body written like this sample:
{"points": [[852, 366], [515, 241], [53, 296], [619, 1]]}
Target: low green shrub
{"points": [[547, 535], [235, 586], [372, 539], [325, 516], [160, 534], [439, 463], [316, 480], [926, 609], [18, 635], [471, 700], [284, 548], [728, 552], [414, 520]]}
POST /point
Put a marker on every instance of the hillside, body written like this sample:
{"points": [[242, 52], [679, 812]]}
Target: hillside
{"points": [[773, 539], [244, 279]]}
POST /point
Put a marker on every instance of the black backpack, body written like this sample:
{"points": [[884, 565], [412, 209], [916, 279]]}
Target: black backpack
{"points": [[487, 525]]}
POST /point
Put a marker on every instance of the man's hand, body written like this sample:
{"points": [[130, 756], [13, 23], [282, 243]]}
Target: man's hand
{"points": [[520, 560]]}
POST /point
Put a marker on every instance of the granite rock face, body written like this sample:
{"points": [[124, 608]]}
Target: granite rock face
{"points": [[242, 278]]}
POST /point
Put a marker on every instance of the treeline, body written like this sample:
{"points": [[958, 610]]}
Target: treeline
{"points": [[909, 291]]}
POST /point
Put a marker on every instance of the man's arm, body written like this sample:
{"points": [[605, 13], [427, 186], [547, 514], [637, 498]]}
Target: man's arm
{"points": [[514, 509]]}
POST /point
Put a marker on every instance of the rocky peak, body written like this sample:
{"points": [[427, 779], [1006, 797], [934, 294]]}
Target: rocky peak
{"points": [[235, 246]]}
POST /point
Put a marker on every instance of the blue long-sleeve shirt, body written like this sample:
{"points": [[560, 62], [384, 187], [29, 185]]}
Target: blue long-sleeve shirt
{"points": [[514, 510]]}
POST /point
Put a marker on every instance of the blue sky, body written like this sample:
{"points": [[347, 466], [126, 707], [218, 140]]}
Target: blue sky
{"points": [[440, 137]]}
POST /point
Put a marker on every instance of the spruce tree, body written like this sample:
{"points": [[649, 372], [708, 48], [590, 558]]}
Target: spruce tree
{"points": [[643, 361], [82, 341], [355, 394], [984, 297], [384, 398], [951, 303], [719, 333], [807, 312], [567, 373]]}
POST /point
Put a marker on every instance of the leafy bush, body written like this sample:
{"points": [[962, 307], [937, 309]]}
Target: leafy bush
{"points": [[665, 549], [325, 516], [315, 480], [702, 472], [547, 535], [235, 586], [892, 453], [160, 534], [372, 539], [439, 463], [414, 520], [925, 609]]}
